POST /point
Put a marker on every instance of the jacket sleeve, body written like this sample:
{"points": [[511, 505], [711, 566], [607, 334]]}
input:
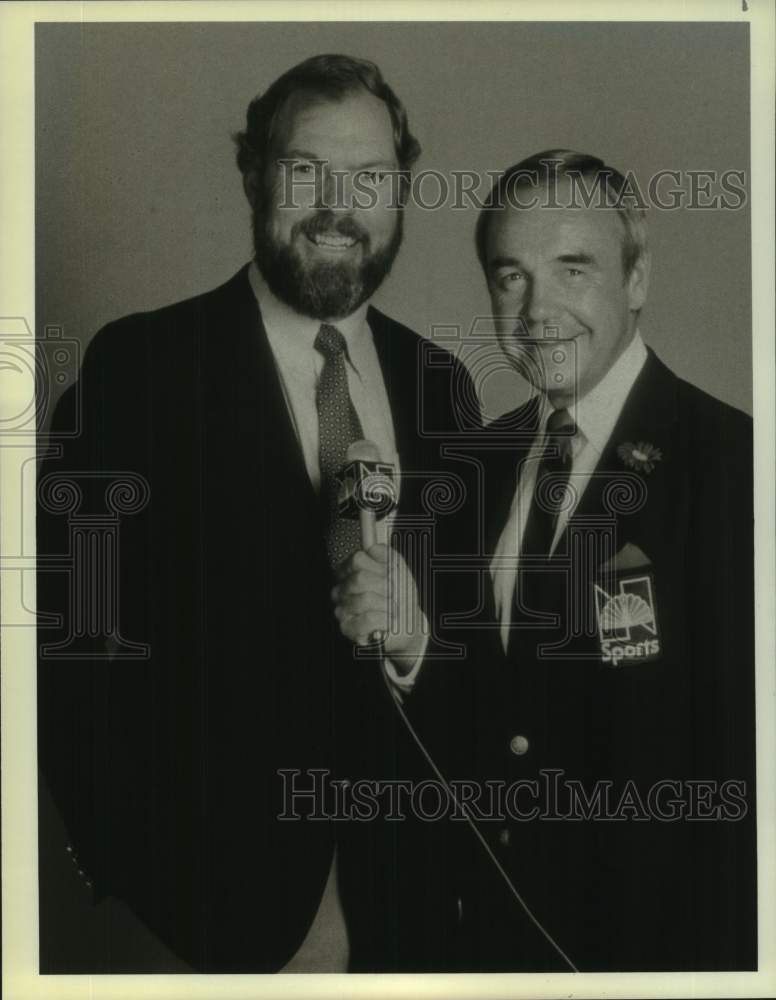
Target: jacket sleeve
{"points": [[72, 657]]}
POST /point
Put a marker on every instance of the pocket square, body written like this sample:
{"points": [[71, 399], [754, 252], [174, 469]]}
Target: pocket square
{"points": [[629, 557]]}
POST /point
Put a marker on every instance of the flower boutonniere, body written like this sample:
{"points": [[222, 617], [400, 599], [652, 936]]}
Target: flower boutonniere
{"points": [[641, 456]]}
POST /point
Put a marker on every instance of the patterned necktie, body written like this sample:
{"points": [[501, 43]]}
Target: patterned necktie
{"points": [[339, 427], [552, 477]]}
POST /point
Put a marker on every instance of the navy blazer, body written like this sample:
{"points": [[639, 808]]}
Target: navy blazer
{"points": [[623, 714]]}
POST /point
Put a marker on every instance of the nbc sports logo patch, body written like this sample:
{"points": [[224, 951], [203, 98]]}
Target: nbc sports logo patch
{"points": [[627, 622]]}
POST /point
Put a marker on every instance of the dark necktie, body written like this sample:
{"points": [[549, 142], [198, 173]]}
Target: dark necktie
{"points": [[339, 427], [552, 476]]}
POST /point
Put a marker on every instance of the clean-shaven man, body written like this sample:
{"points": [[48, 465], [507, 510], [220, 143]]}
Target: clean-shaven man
{"points": [[610, 687]]}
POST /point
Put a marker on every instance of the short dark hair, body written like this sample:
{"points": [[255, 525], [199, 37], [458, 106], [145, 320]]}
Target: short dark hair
{"points": [[329, 77], [546, 167]]}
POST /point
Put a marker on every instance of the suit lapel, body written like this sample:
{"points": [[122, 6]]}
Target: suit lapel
{"points": [[400, 366], [246, 401], [399, 369], [648, 416]]}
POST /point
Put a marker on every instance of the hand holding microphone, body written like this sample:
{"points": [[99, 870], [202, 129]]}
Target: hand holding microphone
{"points": [[375, 598]]}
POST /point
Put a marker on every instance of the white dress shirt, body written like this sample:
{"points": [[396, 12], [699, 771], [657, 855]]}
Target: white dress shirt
{"points": [[595, 416]]}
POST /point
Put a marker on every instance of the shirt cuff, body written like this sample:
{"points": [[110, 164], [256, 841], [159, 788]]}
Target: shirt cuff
{"points": [[404, 683]]}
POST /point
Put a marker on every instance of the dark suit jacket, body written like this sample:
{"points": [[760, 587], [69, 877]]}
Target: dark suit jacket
{"points": [[659, 687], [165, 767]]}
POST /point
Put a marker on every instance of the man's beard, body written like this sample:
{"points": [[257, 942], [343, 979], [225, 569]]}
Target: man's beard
{"points": [[328, 289]]}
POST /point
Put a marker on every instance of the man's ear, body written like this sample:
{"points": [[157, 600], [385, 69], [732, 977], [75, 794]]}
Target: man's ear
{"points": [[251, 186], [638, 281]]}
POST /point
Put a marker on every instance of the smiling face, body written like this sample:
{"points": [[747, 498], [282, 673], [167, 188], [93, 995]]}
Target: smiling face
{"points": [[564, 308], [323, 246]]}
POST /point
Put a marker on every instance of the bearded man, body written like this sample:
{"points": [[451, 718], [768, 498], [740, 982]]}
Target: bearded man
{"points": [[193, 780]]}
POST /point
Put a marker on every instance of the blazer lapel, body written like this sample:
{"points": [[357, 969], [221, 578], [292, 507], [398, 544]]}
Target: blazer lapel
{"points": [[399, 368], [647, 417], [248, 407]]}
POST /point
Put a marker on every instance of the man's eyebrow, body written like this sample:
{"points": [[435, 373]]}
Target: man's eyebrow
{"points": [[576, 258], [376, 164], [301, 154], [504, 262], [304, 154]]}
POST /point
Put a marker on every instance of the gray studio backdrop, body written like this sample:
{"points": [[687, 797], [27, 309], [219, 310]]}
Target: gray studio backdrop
{"points": [[139, 202]]}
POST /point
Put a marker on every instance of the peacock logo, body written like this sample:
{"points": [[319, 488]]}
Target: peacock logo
{"points": [[624, 612]]}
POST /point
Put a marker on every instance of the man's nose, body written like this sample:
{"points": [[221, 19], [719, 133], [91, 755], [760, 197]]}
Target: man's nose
{"points": [[335, 191], [541, 306]]}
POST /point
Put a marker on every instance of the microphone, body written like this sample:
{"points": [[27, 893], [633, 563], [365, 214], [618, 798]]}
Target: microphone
{"points": [[367, 489]]}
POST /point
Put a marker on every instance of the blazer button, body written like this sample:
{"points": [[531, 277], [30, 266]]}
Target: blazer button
{"points": [[519, 745], [504, 837]]}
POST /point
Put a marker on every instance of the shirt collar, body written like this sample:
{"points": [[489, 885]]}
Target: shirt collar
{"points": [[292, 335], [596, 413]]}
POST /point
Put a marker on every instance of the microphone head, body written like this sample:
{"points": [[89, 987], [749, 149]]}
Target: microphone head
{"points": [[366, 483]]}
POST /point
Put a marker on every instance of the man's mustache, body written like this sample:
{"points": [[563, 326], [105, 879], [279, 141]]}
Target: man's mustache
{"points": [[325, 223]]}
